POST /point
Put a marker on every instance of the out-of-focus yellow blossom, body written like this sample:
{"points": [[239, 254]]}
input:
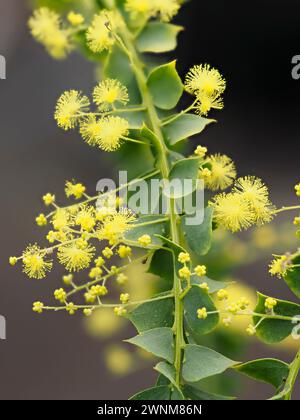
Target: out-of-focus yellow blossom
{"points": [[222, 172], [75, 258], [227, 321], [270, 303], [85, 218], [75, 19], [87, 312], [34, 263], [70, 108], [204, 286], [100, 33], [202, 313], [103, 323], [118, 360], [297, 221], [200, 270], [144, 240], [108, 93], [90, 129], [279, 266], [203, 78], [222, 294], [68, 279], [49, 199], [120, 311], [75, 190], [124, 251], [124, 297], [38, 307], [122, 279], [251, 330], [264, 237], [297, 189], [61, 219], [165, 10]]}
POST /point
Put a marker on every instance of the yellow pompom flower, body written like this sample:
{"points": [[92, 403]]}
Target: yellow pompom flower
{"points": [[207, 102], [67, 279], [75, 18], [34, 263], [112, 132], [256, 193], [139, 7], [108, 92], [222, 172], [90, 129], [296, 221], [202, 313], [41, 220], [75, 190], [184, 273], [75, 258], [60, 295], [95, 272], [166, 9], [61, 220], [232, 212], [85, 218], [200, 151], [144, 240], [279, 266], [99, 262], [99, 35], [38, 307], [98, 290], [200, 270], [49, 199], [203, 78], [70, 108], [122, 279], [124, 297], [297, 189], [124, 251], [13, 261], [270, 303], [107, 252], [184, 257]]}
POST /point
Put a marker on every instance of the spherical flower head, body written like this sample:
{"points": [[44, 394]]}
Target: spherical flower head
{"points": [[100, 33], [256, 193], [296, 221], [116, 225], [251, 330], [227, 321], [74, 190], [75, 258], [203, 78], [200, 270], [95, 272], [89, 297], [200, 151], [113, 130], [145, 240], [90, 129], [122, 279], [69, 109], [107, 252], [222, 294], [204, 286], [243, 303], [49, 199], [34, 263], [279, 266], [60, 295], [68, 279], [208, 102], [124, 297], [38, 307], [41, 220], [75, 19], [99, 262], [108, 93], [222, 172], [202, 313], [232, 212], [184, 273], [85, 218], [138, 8], [13, 261], [61, 220], [184, 257], [233, 309], [120, 311], [114, 270], [124, 251], [87, 312], [165, 9], [297, 189], [270, 303], [71, 308], [98, 290]]}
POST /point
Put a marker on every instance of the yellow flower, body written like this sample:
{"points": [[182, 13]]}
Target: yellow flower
{"points": [[112, 132], [203, 78], [297, 189], [90, 129], [256, 193], [75, 18], [207, 102], [200, 151], [69, 109], [297, 221], [99, 262], [75, 190], [71, 308], [87, 312], [139, 7], [222, 172], [108, 92], [200, 270], [204, 286], [166, 9], [107, 252], [227, 321], [49, 199], [85, 218], [232, 212], [184, 273], [60, 220], [98, 290], [243, 303], [46, 28], [144, 240], [279, 266], [116, 225], [120, 311], [270, 303], [38, 307], [67, 279], [75, 258], [13, 260], [251, 330], [121, 279], [95, 272], [184, 257], [202, 313], [34, 263], [100, 34], [222, 294], [60, 295], [124, 297], [41, 220], [124, 251]]}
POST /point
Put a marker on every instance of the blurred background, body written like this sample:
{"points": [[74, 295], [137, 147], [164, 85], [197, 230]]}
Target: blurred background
{"points": [[252, 43]]}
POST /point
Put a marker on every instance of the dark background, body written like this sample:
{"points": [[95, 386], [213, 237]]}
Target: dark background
{"points": [[252, 43]]}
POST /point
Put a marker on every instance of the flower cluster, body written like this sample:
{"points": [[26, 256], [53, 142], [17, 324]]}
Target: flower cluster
{"points": [[165, 10]]}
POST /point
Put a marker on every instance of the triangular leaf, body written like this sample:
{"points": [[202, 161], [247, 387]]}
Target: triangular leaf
{"points": [[152, 394], [158, 37], [199, 236]]}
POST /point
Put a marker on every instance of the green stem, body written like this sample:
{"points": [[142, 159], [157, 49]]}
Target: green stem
{"points": [[291, 379]]}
